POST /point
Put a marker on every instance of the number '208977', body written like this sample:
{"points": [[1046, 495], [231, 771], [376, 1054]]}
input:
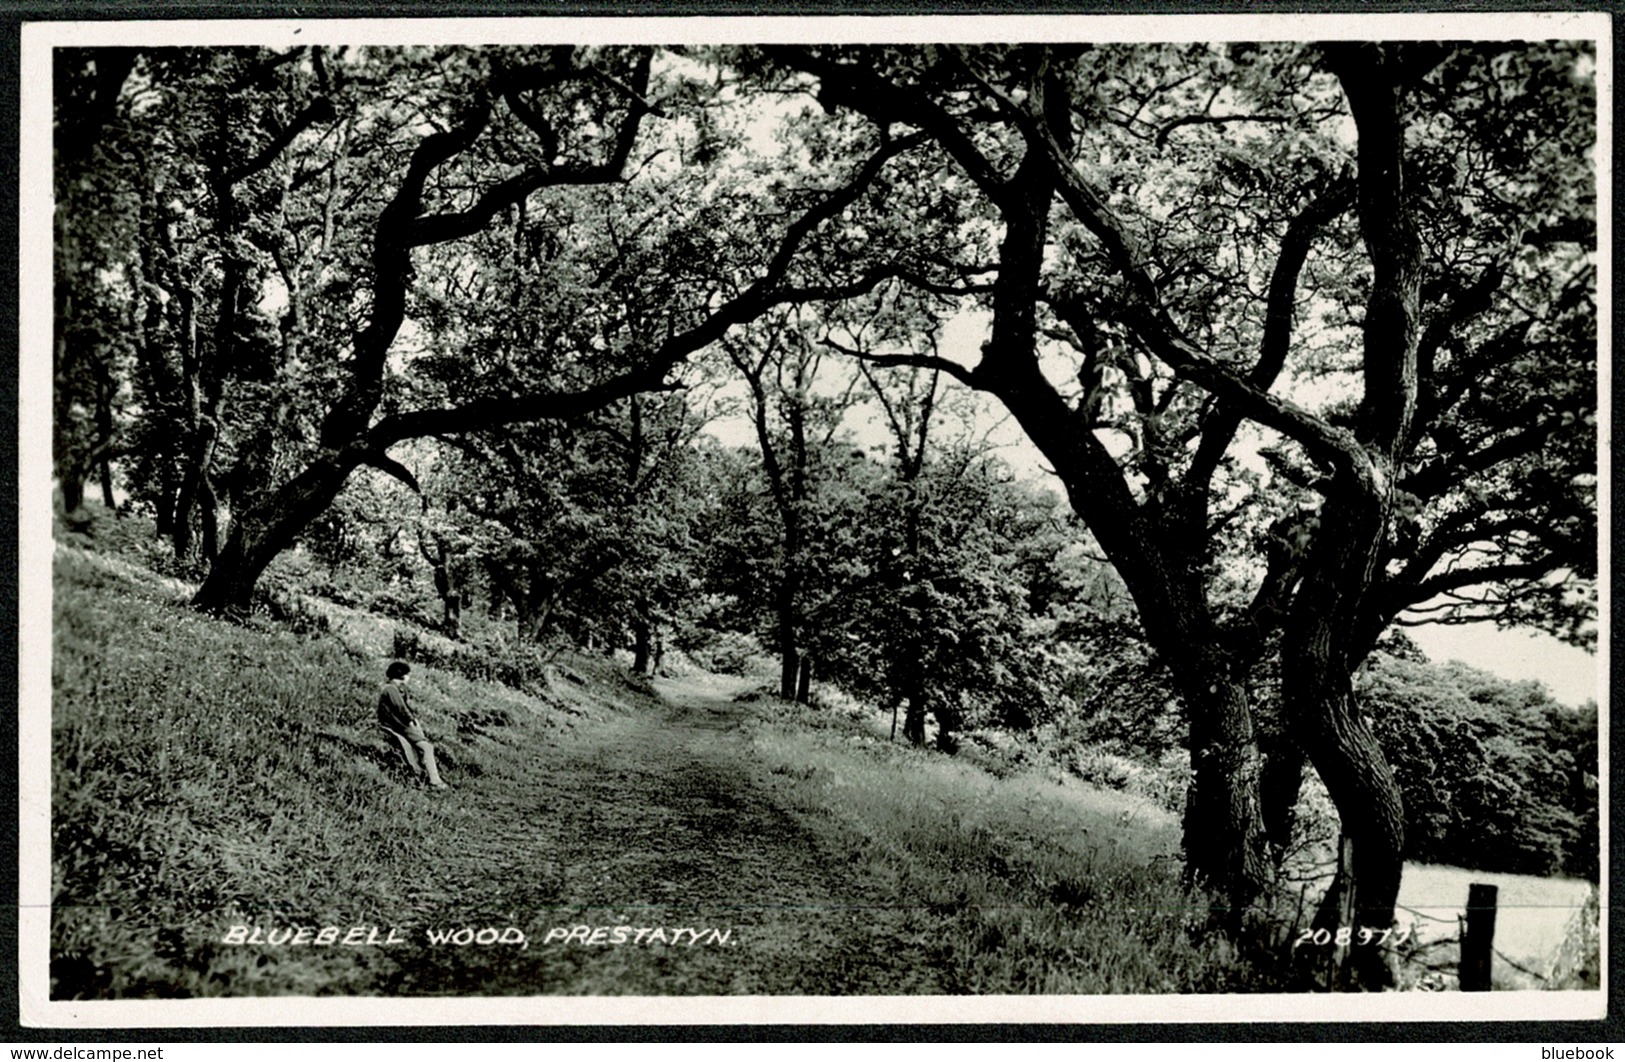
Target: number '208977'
{"points": [[1343, 936]]}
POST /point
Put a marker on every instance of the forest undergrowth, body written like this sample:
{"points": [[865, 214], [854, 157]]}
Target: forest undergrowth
{"points": [[604, 834]]}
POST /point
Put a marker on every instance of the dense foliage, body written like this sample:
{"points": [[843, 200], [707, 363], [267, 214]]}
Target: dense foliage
{"points": [[1496, 775]]}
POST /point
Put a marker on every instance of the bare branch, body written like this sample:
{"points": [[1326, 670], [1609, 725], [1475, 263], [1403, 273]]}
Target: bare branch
{"points": [[1452, 470], [388, 465], [1462, 578], [909, 360], [1220, 428], [1331, 445], [859, 89], [493, 412], [650, 375]]}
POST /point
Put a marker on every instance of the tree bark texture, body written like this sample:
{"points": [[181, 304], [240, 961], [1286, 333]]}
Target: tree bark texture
{"points": [[257, 536], [948, 724], [1323, 642], [1225, 841], [1317, 689], [642, 645], [914, 721], [804, 680], [789, 667], [1280, 785]]}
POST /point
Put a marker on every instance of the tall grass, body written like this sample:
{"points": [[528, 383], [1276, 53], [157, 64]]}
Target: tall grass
{"points": [[208, 773], [205, 774], [1033, 882]]}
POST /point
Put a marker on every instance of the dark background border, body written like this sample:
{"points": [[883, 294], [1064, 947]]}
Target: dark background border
{"points": [[13, 14]]}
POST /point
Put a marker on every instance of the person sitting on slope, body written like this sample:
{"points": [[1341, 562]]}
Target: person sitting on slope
{"points": [[395, 715]]}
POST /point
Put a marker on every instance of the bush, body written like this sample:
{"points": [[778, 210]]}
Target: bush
{"points": [[520, 667], [290, 611], [728, 653], [387, 604], [1163, 783]]}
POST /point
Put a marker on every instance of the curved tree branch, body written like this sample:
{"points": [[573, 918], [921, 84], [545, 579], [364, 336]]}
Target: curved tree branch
{"points": [[1222, 425], [860, 89], [908, 360], [319, 109], [1462, 578], [388, 465], [1451, 470], [760, 296], [1167, 128], [1325, 443]]}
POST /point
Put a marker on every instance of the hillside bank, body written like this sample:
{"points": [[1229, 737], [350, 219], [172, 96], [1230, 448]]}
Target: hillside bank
{"points": [[215, 783]]}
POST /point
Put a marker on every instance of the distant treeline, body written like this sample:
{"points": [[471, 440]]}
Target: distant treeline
{"points": [[1497, 776]]}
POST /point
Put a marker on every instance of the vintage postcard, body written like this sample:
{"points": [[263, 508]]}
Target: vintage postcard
{"points": [[1079, 519]]}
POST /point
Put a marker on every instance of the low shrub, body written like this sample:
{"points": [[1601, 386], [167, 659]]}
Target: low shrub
{"points": [[385, 603], [289, 610], [521, 667], [728, 653], [1163, 783]]}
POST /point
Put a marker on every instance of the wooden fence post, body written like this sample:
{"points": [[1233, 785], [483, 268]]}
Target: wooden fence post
{"points": [[1477, 938], [1338, 978]]}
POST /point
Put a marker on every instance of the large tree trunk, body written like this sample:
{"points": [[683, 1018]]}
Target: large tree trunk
{"points": [[73, 497], [785, 628], [1323, 641], [164, 503], [451, 606], [1279, 788], [1225, 842], [1319, 652], [914, 721], [105, 388], [789, 668], [948, 722], [267, 528], [911, 691], [446, 586], [195, 504], [534, 607], [1373, 816]]}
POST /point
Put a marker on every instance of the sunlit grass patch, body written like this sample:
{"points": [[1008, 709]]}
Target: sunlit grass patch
{"points": [[1030, 883]]}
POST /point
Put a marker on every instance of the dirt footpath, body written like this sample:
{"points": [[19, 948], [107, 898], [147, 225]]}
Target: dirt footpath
{"points": [[642, 853]]}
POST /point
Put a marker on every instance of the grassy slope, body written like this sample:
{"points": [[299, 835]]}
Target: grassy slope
{"points": [[207, 774]]}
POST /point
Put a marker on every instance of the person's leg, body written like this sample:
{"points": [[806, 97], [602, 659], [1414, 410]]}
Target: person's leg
{"points": [[426, 751], [400, 740]]}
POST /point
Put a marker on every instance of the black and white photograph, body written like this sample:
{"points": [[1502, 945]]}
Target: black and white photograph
{"points": [[923, 519]]}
